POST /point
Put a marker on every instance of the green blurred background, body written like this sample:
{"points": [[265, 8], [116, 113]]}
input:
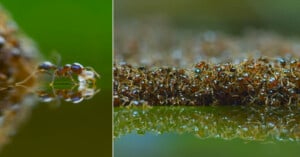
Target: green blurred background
{"points": [[231, 15], [80, 31]]}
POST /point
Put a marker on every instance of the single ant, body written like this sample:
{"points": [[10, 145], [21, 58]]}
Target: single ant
{"points": [[84, 74]]}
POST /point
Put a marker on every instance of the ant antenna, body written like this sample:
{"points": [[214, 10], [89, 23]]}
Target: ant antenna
{"points": [[27, 88], [92, 95], [56, 57]]}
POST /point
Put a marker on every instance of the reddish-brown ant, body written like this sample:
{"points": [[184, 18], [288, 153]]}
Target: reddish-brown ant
{"points": [[84, 74]]}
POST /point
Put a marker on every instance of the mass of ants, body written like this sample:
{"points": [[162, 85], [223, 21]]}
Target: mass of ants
{"points": [[261, 81]]}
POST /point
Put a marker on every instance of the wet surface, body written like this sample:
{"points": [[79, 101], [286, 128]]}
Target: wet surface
{"points": [[209, 131], [70, 129]]}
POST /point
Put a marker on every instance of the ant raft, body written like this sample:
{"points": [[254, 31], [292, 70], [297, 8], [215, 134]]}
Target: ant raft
{"points": [[85, 75]]}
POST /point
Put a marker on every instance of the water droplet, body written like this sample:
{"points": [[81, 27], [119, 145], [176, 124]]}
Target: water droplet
{"points": [[135, 113], [271, 125]]}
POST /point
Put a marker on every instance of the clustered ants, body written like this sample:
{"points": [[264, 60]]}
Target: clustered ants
{"points": [[261, 81]]}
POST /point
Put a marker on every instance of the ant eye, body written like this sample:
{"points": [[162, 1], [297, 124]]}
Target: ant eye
{"points": [[76, 68], [46, 66]]}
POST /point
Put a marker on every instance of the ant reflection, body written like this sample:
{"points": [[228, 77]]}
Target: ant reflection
{"points": [[72, 95]]}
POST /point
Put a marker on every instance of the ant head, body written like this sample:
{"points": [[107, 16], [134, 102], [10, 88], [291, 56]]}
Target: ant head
{"points": [[76, 68], [46, 66]]}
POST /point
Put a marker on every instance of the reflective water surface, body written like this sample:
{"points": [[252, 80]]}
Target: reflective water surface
{"points": [[176, 145], [213, 131]]}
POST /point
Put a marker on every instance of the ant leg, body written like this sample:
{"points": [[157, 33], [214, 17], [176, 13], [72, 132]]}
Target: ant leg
{"points": [[52, 80], [57, 100], [4, 88], [252, 99], [30, 76], [56, 57], [267, 101], [92, 95], [72, 79], [27, 88], [73, 87], [26, 79], [53, 91], [93, 70], [93, 82], [290, 101]]}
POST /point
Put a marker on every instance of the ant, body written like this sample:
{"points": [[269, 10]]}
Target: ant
{"points": [[84, 91], [85, 74]]}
